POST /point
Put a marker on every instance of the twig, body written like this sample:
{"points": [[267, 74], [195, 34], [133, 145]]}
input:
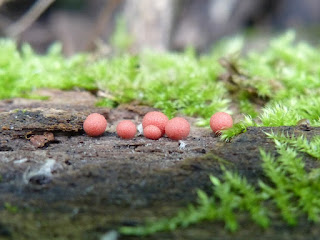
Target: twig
{"points": [[102, 21], [28, 18]]}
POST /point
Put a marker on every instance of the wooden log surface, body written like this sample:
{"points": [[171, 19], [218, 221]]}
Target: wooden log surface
{"points": [[72, 186]]}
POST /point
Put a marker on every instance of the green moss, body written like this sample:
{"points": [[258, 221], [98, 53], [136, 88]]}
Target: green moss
{"points": [[121, 40], [238, 128], [172, 82], [22, 72], [284, 78], [235, 130], [301, 143], [105, 102], [10, 208], [181, 83], [247, 107], [287, 190], [294, 190]]}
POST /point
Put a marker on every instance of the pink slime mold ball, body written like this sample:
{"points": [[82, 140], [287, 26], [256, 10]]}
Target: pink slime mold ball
{"points": [[126, 129], [155, 118], [220, 121], [177, 128], [95, 125], [152, 132]]}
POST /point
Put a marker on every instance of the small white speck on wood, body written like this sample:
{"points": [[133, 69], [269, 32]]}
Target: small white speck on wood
{"points": [[20, 161], [182, 145], [45, 169], [140, 129]]}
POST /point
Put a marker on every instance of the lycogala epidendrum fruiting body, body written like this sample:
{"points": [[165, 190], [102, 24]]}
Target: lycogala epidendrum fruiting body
{"points": [[152, 132], [155, 118], [126, 129], [220, 121], [95, 125], [177, 128]]}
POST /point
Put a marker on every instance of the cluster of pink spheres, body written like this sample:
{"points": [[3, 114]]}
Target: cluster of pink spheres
{"points": [[155, 125]]}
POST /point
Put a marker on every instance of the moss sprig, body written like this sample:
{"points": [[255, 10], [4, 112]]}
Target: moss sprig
{"points": [[288, 190], [311, 147]]}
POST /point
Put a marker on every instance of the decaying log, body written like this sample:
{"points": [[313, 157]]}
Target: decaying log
{"points": [[107, 182]]}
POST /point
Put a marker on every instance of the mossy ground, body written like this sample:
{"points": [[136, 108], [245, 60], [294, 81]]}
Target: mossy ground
{"points": [[277, 86]]}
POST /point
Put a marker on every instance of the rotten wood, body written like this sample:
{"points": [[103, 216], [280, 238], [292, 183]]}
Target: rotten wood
{"points": [[106, 182]]}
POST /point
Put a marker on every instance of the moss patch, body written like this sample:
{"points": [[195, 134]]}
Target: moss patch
{"points": [[275, 87], [287, 190]]}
